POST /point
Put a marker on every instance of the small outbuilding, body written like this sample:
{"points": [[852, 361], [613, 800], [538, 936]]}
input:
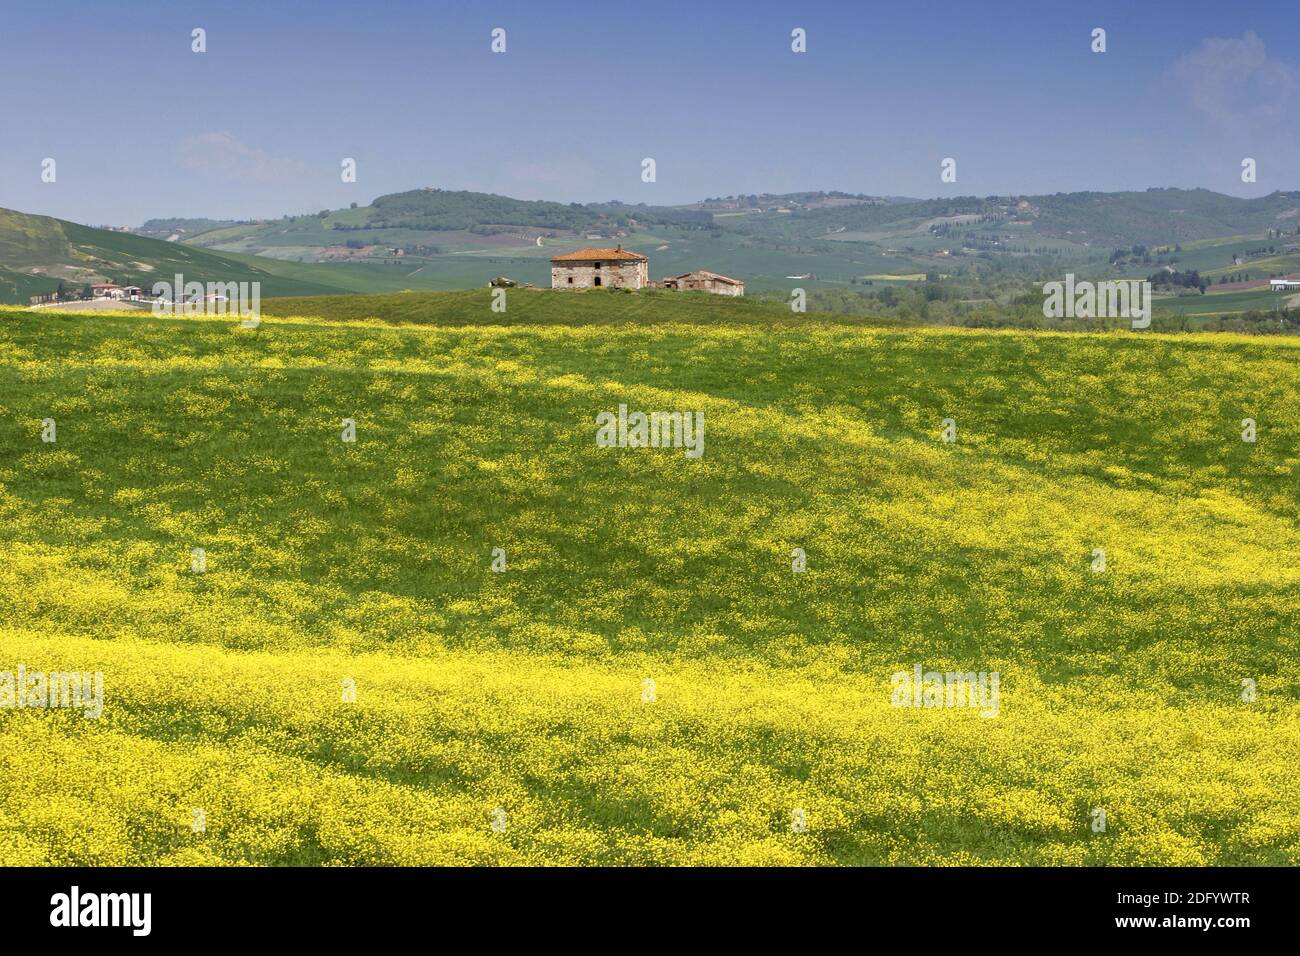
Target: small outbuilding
{"points": [[701, 280]]}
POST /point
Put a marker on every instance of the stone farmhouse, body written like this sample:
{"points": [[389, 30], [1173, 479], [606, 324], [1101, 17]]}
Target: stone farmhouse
{"points": [[618, 268], [606, 268]]}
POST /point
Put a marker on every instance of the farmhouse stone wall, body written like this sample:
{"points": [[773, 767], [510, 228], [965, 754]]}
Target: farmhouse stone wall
{"points": [[710, 285], [618, 274]]}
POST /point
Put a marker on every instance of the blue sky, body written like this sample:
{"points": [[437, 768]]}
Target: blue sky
{"points": [[141, 126]]}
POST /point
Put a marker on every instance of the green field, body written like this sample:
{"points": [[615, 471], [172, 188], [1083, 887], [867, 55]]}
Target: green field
{"points": [[509, 717], [1224, 303], [544, 307]]}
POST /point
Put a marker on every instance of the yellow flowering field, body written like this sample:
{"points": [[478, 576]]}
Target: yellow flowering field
{"points": [[473, 635]]}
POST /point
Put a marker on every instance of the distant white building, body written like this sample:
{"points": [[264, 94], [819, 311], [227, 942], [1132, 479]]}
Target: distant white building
{"points": [[1279, 284]]}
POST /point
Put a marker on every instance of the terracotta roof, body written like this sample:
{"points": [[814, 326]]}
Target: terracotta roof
{"points": [[592, 255]]}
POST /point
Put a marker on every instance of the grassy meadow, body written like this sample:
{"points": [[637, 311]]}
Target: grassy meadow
{"points": [[506, 717]]}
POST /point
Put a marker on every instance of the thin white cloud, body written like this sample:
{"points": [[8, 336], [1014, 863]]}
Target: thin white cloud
{"points": [[539, 172], [1235, 84], [222, 155]]}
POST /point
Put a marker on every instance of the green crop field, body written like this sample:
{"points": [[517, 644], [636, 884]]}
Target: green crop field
{"points": [[1224, 303], [475, 635]]}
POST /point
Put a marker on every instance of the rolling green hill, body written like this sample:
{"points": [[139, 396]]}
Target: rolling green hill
{"points": [[645, 676], [431, 239], [38, 253], [828, 240], [1103, 220]]}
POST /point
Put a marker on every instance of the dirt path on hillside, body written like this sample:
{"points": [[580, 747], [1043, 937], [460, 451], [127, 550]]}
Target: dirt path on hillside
{"points": [[94, 305]]}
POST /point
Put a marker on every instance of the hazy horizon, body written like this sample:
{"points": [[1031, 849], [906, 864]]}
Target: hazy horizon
{"points": [[701, 199]]}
